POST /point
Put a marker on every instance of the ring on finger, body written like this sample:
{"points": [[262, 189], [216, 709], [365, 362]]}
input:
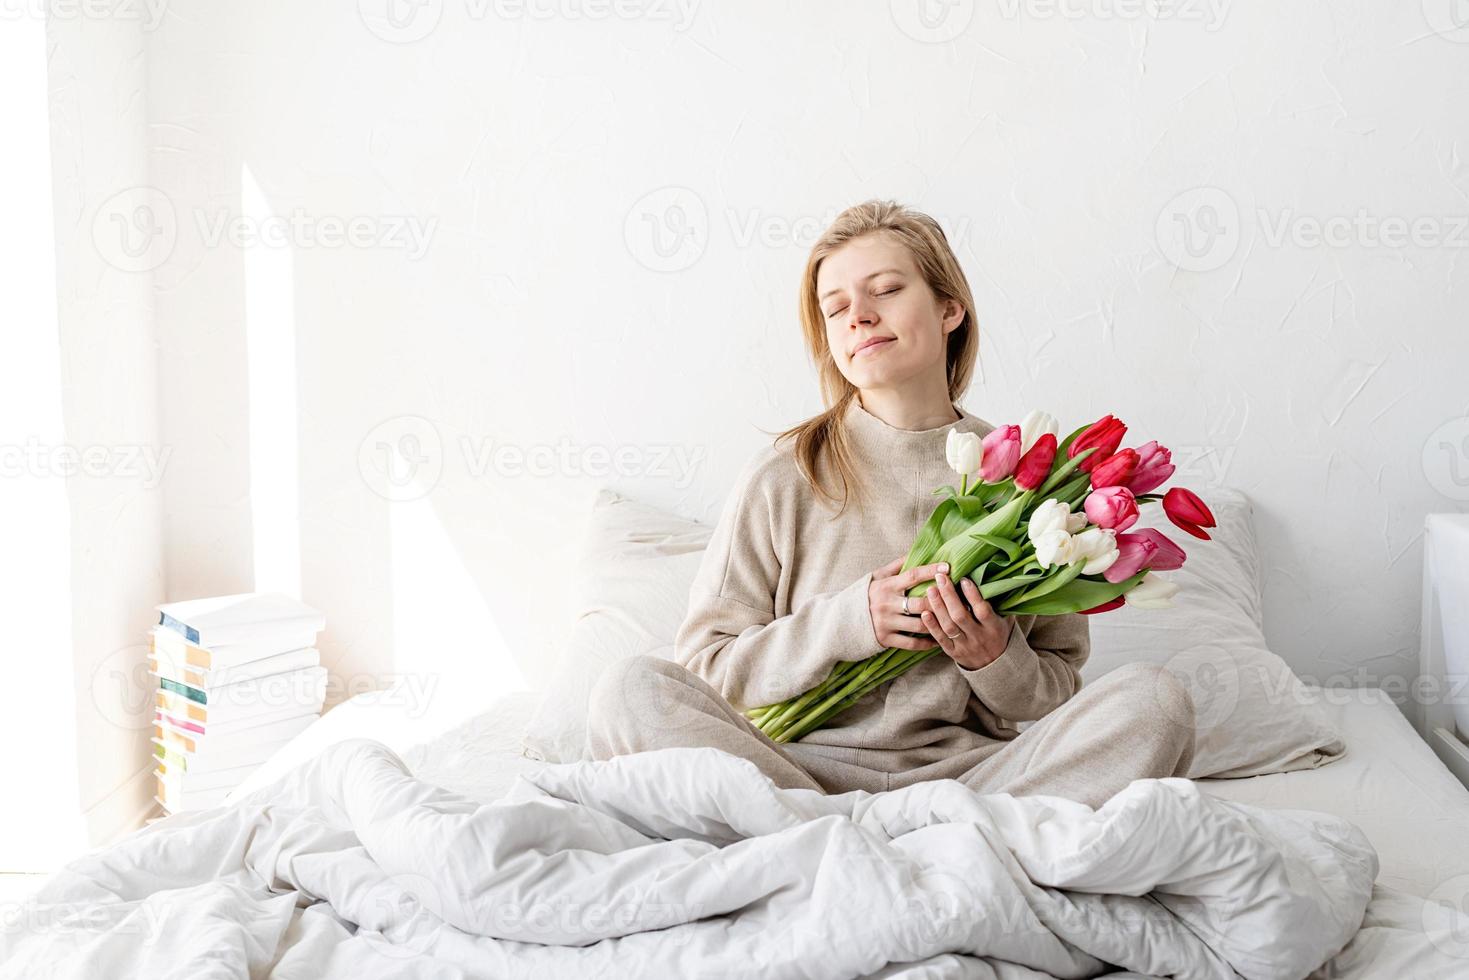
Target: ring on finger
{"points": [[906, 611]]}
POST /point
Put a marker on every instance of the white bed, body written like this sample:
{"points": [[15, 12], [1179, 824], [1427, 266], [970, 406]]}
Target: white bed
{"points": [[1348, 754], [1388, 783]]}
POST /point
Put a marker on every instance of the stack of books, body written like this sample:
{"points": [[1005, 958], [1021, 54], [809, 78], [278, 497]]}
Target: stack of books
{"points": [[239, 676]]}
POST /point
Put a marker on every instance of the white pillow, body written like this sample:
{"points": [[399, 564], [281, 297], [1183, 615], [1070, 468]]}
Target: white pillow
{"points": [[633, 579], [1252, 714]]}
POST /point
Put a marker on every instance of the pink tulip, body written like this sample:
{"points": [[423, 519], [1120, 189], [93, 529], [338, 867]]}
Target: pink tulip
{"points": [[1185, 509], [1001, 453], [1112, 507], [1035, 466], [1168, 556], [1133, 554], [1105, 435], [1154, 467], [1143, 549], [1116, 470]]}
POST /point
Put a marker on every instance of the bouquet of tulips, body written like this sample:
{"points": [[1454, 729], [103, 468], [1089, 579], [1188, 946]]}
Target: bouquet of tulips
{"points": [[1041, 532]]}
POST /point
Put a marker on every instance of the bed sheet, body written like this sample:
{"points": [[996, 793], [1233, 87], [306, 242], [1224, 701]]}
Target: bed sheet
{"points": [[1389, 783]]}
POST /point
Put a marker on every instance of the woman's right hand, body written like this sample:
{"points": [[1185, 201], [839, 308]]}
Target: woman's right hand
{"points": [[885, 599]]}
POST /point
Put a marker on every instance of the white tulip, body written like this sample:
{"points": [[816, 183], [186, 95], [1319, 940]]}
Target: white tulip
{"points": [[1050, 515], [1075, 523], [1055, 547], [1035, 425], [965, 451], [1096, 546], [1153, 592]]}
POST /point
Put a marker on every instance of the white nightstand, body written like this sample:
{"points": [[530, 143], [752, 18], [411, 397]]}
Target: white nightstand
{"points": [[1443, 715]]}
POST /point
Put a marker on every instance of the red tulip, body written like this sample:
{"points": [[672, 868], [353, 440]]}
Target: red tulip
{"points": [[1035, 466], [1185, 509], [1104, 607], [1116, 470], [1154, 467], [1001, 453], [1105, 435], [1112, 507]]}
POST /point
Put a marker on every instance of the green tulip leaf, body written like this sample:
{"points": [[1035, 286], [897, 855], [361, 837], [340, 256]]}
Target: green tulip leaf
{"points": [[1079, 594]]}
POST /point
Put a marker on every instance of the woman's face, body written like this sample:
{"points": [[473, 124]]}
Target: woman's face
{"points": [[884, 325]]}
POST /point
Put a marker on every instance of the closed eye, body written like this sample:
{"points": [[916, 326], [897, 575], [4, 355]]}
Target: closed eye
{"points": [[885, 292]]}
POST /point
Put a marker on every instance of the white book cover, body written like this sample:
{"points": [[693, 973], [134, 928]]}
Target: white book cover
{"points": [[220, 620], [190, 782], [207, 679], [244, 714], [199, 801], [209, 743], [223, 758], [229, 727], [303, 686], [225, 655]]}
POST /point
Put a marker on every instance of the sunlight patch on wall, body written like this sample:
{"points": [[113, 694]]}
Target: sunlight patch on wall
{"points": [[270, 338], [445, 639], [44, 827]]}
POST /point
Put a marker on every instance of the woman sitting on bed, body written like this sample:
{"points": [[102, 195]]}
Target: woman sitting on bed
{"points": [[792, 584]]}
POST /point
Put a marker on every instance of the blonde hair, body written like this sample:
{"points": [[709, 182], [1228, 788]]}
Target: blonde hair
{"points": [[926, 242]]}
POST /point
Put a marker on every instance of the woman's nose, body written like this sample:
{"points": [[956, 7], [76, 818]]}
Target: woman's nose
{"points": [[860, 313]]}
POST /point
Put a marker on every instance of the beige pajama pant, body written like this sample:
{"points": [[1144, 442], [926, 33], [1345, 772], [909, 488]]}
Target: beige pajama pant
{"points": [[1134, 722]]}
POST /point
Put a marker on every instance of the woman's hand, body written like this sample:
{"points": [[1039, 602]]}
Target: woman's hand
{"points": [[972, 638], [885, 598]]}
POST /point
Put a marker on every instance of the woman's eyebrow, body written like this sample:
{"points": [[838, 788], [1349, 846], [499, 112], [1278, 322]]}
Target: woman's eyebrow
{"points": [[864, 279]]}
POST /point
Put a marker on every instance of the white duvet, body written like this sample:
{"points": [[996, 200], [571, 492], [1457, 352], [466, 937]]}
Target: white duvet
{"points": [[689, 863]]}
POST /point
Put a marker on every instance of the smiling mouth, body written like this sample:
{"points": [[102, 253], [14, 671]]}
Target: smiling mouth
{"points": [[877, 345]]}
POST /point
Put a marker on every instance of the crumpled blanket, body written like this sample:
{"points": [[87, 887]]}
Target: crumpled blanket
{"points": [[689, 862]]}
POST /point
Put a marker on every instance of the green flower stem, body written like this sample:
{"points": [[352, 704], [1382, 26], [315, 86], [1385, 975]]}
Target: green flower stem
{"points": [[785, 710], [874, 666], [897, 666]]}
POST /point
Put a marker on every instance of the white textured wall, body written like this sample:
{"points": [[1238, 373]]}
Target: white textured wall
{"points": [[609, 207], [109, 397]]}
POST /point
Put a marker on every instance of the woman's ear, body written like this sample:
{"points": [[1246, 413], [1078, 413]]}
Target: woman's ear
{"points": [[953, 313]]}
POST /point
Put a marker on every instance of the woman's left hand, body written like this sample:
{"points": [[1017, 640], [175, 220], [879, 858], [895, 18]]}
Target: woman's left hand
{"points": [[971, 639]]}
